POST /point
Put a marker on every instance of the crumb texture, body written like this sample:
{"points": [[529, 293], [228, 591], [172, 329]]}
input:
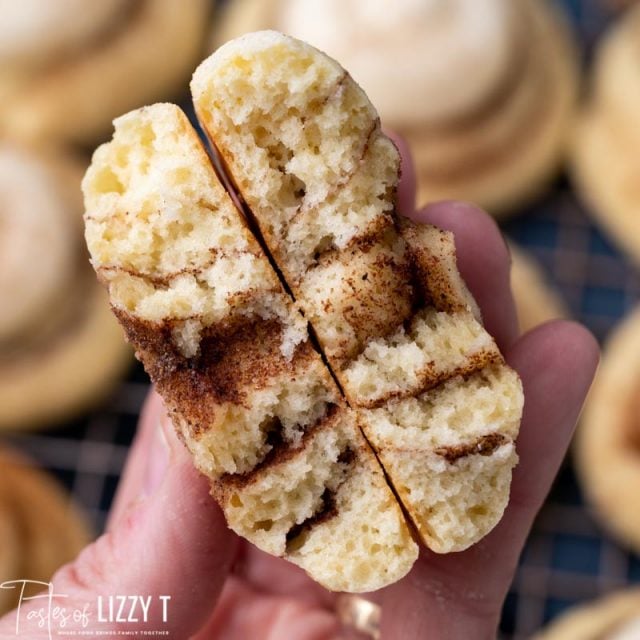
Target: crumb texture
{"points": [[304, 146], [435, 347], [432, 255], [358, 557], [322, 509], [267, 505], [455, 504], [245, 431], [163, 233], [450, 452]]}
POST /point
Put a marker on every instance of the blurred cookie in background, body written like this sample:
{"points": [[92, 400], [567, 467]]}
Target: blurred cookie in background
{"points": [[60, 348], [606, 149], [537, 301], [607, 442], [10, 551], [612, 617], [42, 527], [483, 90], [68, 67]]}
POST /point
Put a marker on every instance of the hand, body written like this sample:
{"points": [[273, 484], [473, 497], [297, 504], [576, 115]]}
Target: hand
{"points": [[166, 536]]}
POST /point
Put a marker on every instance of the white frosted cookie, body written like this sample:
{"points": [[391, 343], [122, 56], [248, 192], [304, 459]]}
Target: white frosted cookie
{"points": [[613, 617], [51, 529], [504, 154], [303, 145], [37, 241], [410, 60], [33, 31], [230, 354], [607, 443], [245, 16], [60, 349], [65, 72], [605, 163], [374, 44], [483, 92], [536, 300]]}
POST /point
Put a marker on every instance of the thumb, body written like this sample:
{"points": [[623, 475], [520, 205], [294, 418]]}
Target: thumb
{"points": [[171, 546]]}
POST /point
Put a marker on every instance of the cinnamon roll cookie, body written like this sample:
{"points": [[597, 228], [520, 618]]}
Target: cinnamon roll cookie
{"points": [[537, 301], [607, 444], [229, 350], [10, 551], [484, 92], [613, 617], [606, 165], [68, 67], [60, 349], [47, 529]]}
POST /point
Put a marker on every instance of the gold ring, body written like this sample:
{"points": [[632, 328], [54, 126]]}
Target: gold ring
{"points": [[360, 614]]}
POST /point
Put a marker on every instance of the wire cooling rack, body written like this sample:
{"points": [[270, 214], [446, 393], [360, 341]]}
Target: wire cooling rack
{"points": [[568, 558]]}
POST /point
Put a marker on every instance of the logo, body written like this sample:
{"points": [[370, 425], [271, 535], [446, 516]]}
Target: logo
{"points": [[50, 612]]}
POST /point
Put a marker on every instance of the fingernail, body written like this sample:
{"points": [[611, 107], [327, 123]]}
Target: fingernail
{"points": [[157, 461]]}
